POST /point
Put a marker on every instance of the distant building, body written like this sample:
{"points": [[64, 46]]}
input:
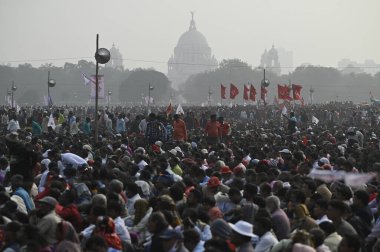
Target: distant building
{"points": [[116, 60], [269, 60], [192, 55], [285, 58], [347, 66]]}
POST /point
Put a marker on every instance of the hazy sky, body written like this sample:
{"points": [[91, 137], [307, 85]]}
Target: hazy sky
{"points": [[319, 32]]}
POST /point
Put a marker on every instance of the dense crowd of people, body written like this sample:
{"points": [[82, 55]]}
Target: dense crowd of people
{"points": [[216, 179]]}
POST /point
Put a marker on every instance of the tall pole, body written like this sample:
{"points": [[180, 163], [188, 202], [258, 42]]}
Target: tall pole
{"points": [[49, 89], [96, 92], [148, 97], [209, 96], [311, 95], [13, 84], [109, 94], [265, 102]]}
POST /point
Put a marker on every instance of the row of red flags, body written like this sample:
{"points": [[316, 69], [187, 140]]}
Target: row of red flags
{"points": [[284, 92]]}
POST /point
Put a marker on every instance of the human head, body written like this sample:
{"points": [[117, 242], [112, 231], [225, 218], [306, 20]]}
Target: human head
{"points": [[262, 225], [171, 238], [242, 232], [272, 203], [336, 209], [349, 243], [220, 229], [157, 223], [361, 198]]}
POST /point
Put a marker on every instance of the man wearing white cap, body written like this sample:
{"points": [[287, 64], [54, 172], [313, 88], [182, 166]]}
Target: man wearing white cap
{"points": [[242, 233]]}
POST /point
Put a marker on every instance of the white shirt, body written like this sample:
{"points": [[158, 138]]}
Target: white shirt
{"points": [[142, 164], [199, 247], [131, 204], [121, 230], [72, 159], [266, 242], [41, 186]]}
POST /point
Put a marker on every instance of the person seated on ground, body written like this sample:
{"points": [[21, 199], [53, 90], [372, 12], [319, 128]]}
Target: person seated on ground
{"points": [[242, 233], [262, 228], [349, 243], [332, 238], [191, 221], [192, 241], [114, 210], [69, 210]]}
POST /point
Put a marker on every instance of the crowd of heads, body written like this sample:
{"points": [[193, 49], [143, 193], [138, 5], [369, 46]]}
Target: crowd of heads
{"points": [[230, 178]]}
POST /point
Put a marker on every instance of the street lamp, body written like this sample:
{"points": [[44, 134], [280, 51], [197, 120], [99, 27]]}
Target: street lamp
{"points": [[51, 83], [264, 83], [109, 97], [311, 95], [14, 88], [102, 56], [149, 89]]}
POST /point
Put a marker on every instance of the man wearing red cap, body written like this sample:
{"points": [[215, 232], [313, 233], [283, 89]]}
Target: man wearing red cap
{"points": [[213, 186]]}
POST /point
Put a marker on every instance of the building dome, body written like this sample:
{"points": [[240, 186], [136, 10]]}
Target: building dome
{"points": [[116, 58], [192, 55], [192, 37]]}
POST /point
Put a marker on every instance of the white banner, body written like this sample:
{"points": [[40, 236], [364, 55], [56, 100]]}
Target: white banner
{"points": [[51, 122], [314, 120], [350, 179], [100, 88], [179, 110]]}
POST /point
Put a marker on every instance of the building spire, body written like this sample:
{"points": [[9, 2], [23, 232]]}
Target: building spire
{"points": [[192, 22]]}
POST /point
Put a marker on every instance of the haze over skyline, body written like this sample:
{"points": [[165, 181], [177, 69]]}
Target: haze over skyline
{"points": [[146, 31]]}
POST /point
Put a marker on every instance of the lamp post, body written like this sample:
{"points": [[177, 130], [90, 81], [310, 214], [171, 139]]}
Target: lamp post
{"points": [[102, 56], [51, 83], [14, 88], [264, 84], [109, 97], [149, 89], [8, 95], [311, 95], [209, 96]]}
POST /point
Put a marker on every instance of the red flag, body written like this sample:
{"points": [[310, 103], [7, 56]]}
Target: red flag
{"points": [[252, 93], [246, 92], [297, 92], [284, 92], [222, 92], [264, 92], [169, 109], [234, 91]]}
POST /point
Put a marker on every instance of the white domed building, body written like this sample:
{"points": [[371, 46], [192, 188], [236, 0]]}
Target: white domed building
{"points": [[192, 55], [116, 60]]}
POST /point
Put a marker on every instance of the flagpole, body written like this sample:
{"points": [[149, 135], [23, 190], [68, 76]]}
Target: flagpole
{"points": [[96, 92], [209, 96], [291, 89], [148, 96], [14, 88], [48, 89]]}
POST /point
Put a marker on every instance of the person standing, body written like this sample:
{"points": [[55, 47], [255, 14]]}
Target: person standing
{"points": [[212, 130], [120, 124], [155, 130], [225, 128], [13, 125], [180, 131]]}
